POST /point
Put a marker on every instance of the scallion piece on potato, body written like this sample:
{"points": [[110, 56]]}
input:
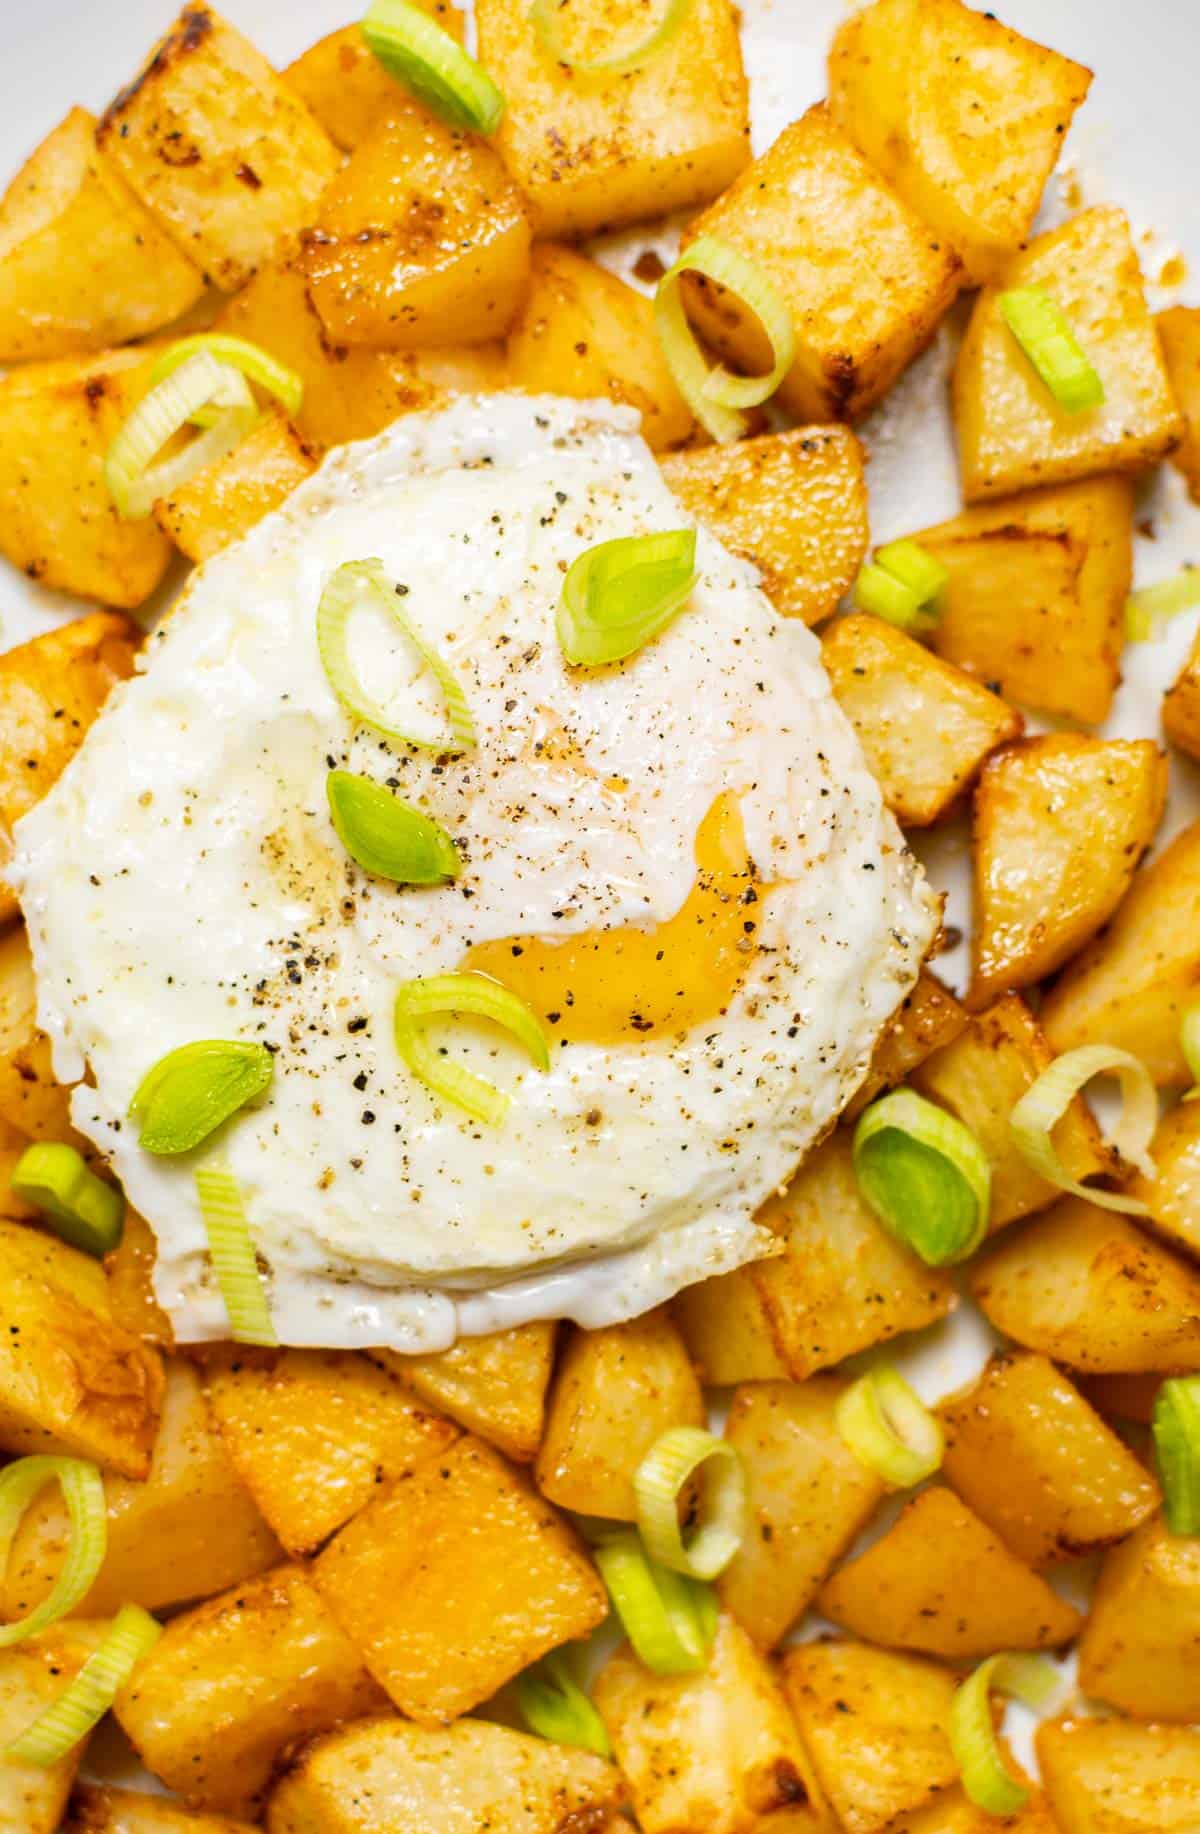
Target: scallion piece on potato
{"points": [[924, 1175], [415, 50], [83, 1493], [555, 1707], [986, 1778], [670, 1620], [82, 1208], [1153, 605], [667, 1467], [1041, 328], [1044, 1103], [86, 1699], [542, 14], [715, 395], [135, 481], [1176, 1427], [903, 585], [889, 1428]]}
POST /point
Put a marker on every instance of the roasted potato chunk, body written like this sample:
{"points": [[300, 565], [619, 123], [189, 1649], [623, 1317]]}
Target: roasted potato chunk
{"points": [[1012, 434], [929, 1020], [129, 1272], [1138, 1649], [864, 279], [57, 421], [793, 504], [1105, 1776], [940, 1582], [31, 1101], [224, 501], [33, 1796], [346, 87], [1085, 1287], [924, 726], [1130, 987], [1060, 823], [1179, 335], [621, 148], [494, 1386], [953, 1812], [1173, 1194], [808, 1496], [217, 146], [99, 1810], [83, 264], [1181, 705]]}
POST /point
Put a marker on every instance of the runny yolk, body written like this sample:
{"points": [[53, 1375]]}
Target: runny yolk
{"points": [[603, 986]]}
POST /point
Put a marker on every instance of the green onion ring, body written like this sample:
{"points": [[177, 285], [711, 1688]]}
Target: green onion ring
{"points": [[620, 63], [416, 51], [924, 1175], [657, 1482], [84, 1702], [620, 594], [1041, 1108], [434, 996], [83, 1209], [134, 482], [1189, 1044], [889, 1428], [234, 1261], [715, 395], [903, 585], [1176, 1428], [555, 1707], [189, 1093], [986, 1778], [670, 1620], [1041, 328], [83, 1493], [236, 353], [1153, 605]]}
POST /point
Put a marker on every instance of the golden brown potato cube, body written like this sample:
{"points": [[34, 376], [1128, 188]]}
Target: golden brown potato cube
{"points": [[82, 262], [940, 1581], [314, 1432], [953, 1812], [1105, 1776], [1012, 434], [865, 281], [495, 1386], [217, 146], [1138, 1649], [980, 1077], [57, 421], [1173, 1194], [808, 1496], [1060, 824], [583, 332], [839, 1285], [223, 502], [31, 1101], [1035, 602], [32, 1676], [709, 1753], [346, 87], [189, 1530], [924, 726], [793, 504], [66, 1369], [384, 1774], [422, 238], [1131, 986], [593, 153], [129, 1272], [1088, 1289], [963, 116], [929, 1020], [1181, 705], [1179, 335], [96, 1809], [232, 1684], [617, 1391], [1034, 1462], [456, 1579], [875, 1726]]}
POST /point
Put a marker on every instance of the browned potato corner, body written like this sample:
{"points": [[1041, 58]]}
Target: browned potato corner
{"points": [[1138, 1646], [1108, 1776], [345, 86], [32, 1796], [1173, 1194], [1181, 705], [929, 1020], [221, 503], [129, 1275], [495, 1386], [1179, 334], [32, 1102]]}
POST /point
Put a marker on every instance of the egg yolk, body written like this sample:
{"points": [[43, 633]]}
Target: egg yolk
{"points": [[603, 986]]}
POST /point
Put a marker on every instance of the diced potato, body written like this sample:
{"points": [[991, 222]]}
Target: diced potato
{"points": [[794, 504], [224, 501], [929, 1020], [82, 263], [1181, 704], [1011, 432], [1035, 603], [875, 1725], [381, 1775], [99, 1810], [980, 1077], [1138, 1649], [1060, 823], [33, 1797], [494, 1386], [218, 146], [1105, 1776], [1130, 987], [924, 726], [1173, 1194], [189, 1530], [865, 280], [1179, 335], [66, 1369], [456, 1579], [593, 154], [346, 87], [953, 1812], [1034, 1462], [57, 421], [12, 1145], [839, 1285], [965, 117], [230, 1686], [940, 1582], [130, 1279], [709, 1753], [808, 1496], [1123, 1397], [583, 332], [1088, 1289], [31, 1101], [616, 1393], [314, 1432]]}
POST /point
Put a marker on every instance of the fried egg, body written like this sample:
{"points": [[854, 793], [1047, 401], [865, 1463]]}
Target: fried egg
{"points": [[681, 862]]}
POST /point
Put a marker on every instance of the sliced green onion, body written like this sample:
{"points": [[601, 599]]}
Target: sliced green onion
{"points": [[386, 836], [1153, 605], [343, 591], [986, 1778], [555, 1707], [240, 354], [192, 1091], [889, 1428], [1045, 1102], [657, 1484], [235, 1263], [915, 568], [1189, 1044], [1041, 329], [434, 996], [85, 1210], [924, 1175], [84, 1702], [134, 481], [428, 62], [619, 594], [903, 585], [714, 395], [1176, 1428], [620, 63], [670, 1620], [83, 1493]]}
